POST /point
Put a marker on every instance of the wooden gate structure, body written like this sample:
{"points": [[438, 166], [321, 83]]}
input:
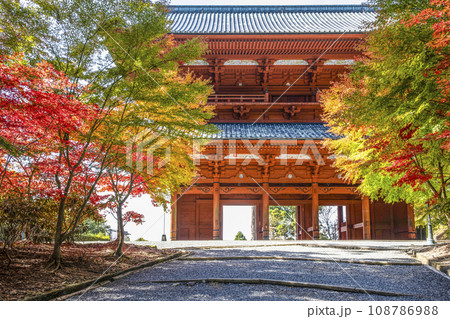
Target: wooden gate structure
{"points": [[268, 65]]}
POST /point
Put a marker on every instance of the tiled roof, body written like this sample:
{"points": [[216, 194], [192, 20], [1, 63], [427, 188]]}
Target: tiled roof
{"points": [[274, 131], [269, 19]]}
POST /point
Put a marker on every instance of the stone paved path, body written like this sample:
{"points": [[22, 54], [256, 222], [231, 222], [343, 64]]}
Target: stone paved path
{"points": [[419, 281]]}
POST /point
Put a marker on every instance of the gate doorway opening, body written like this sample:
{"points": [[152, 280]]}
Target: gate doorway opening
{"points": [[328, 222], [282, 222], [239, 219]]}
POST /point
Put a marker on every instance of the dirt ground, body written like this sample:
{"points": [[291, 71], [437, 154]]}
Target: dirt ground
{"points": [[438, 254], [29, 274]]}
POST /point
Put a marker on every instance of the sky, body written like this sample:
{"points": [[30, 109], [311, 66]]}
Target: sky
{"points": [[263, 2], [235, 219], [153, 226]]}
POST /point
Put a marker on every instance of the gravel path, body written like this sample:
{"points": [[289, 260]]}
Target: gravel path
{"points": [[309, 252], [419, 281]]}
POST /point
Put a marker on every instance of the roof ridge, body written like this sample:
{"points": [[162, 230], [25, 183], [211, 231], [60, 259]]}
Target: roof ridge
{"points": [[272, 8], [269, 19], [266, 123]]}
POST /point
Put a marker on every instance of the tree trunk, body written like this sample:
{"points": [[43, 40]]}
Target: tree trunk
{"points": [[120, 232], [5, 251], [56, 256]]}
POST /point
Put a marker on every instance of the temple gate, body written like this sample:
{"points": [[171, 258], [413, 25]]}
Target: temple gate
{"points": [[268, 65]]}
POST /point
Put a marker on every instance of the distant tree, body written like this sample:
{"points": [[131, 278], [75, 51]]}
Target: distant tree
{"points": [[282, 222], [240, 236], [96, 227], [328, 223]]}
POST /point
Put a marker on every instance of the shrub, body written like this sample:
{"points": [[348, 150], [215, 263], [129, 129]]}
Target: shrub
{"points": [[240, 236], [91, 237]]}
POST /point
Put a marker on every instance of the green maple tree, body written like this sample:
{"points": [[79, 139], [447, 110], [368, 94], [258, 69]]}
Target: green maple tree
{"points": [[392, 110]]}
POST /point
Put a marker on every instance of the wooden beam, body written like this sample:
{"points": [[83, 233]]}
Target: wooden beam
{"points": [[216, 212], [315, 210], [286, 190], [358, 225], [351, 190], [367, 228], [323, 202], [265, 208], [174, 217]]}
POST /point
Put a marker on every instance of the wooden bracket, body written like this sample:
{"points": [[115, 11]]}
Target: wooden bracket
{"points": [[290, 111], [314, 173], [240, 112]]}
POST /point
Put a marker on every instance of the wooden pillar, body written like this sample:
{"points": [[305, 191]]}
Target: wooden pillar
{"points": [[303, 223], [265, 209], [315, 210], [298, 222], [367, 231], [253, 227], [411, 223], [339, 221], [216, 211], [348, 212], [173, 217]]}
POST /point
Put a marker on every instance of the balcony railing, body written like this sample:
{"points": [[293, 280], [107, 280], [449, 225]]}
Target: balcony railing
{"points": [[261, 98], [231, 98]]}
